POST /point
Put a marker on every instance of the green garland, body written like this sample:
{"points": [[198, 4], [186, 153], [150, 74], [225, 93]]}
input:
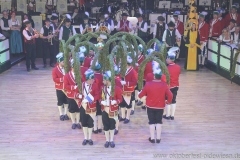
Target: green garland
{"points": [[77, 71], [159, 55], [142, 68], [110, 57], [164, 51], [65, 51], [152, 41], [232, 73]]}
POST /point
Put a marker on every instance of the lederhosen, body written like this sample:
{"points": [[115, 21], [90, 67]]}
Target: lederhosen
{"points": [[108, 120], [30, 46], [86, 119], [47, 47]]}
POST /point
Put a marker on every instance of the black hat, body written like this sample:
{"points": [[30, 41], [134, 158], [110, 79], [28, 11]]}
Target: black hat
{"points": [[47, 20], [68, 20], [171, 24], [124, 14], [161, 18], [139, 15], [54, 16]]}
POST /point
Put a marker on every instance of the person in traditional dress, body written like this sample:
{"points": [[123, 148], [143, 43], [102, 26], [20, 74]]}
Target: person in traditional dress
{"points": [[193, 44], [55, 24], [203, 30], [231, 26], [30, 44], [174, 72], [171, 36], [110, 105], [103, 26], [73, 95], [225, 36], [236, 35], [232, 15], [129, 83], [58, 77], [4, 22], [215, 26], [99, 81], [90, 95], [124, 25], [67, 30], [86, 26], [15, 38], [141, 28], [109, 21], [89, 58], [156, 93], [47, 32], [178, 24], [83, 69], [159, 28]]}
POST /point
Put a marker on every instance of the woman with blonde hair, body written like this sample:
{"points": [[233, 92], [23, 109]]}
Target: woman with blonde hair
{"points": [[225, 36]]}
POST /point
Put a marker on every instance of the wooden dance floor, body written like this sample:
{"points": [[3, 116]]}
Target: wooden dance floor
{"points": [[206, 122]]}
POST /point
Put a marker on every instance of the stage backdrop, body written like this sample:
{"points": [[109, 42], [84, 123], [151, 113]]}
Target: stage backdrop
{"points": [[40, 6], [38, 22], [5, 6], [62, 6], [22, 6]]}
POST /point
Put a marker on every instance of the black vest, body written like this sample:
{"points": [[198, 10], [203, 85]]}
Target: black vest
{"points": [[47, 30], [171, 39], [32, 41], [5, 21], [160, 31], [141, 33], [66, 32]]}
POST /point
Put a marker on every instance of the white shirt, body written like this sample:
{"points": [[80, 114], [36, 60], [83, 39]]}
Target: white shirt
{"points": [[129, 25], [108, 95], [42, 30], [225, 40], [2, 25], [51, 2], [61, 32], [111, 25], [145, 27], [178, 35], [81, 28], [155, 29], [25, 34], [236, 37], [11, 23]]}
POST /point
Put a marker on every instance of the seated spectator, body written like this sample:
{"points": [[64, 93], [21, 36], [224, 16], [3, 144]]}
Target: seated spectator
{"points": [[236, 35], [4, 25], [231, 26], [225, 37]]}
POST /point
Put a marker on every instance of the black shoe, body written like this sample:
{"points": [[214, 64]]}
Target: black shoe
{"points": [[66, 117], [45, 66], [99, 130], [95, 132], [84, 142], [28, 69], [165, 117], [115, 132], [126, 121], [112, 145], [74, 126], [106, 145], [132, 112], [172, 118], [35, 68], [79, 126], [158, 140], [151, 140], [121, 119], [62, 117], [90, 142], [143, 107], [139, 103]]}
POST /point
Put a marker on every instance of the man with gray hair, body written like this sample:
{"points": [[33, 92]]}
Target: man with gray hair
{"points": [[4, 24], [235, 35]]}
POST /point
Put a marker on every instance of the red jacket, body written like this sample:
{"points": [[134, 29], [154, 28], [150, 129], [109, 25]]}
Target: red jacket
{"points": [[216, 28], [148, 69], [203, 30], [69, 84], [180, 27], [150, 78], [228, 17], [174, 72], [94, 92], [99, 81], [156, 92], [87, 62], [131, 80], [117, 97], [57, 76], [83, 70], [118, 81], [140, 60]]}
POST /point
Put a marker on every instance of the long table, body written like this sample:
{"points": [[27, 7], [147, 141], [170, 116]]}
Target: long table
{"points": [[220, 59]]}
